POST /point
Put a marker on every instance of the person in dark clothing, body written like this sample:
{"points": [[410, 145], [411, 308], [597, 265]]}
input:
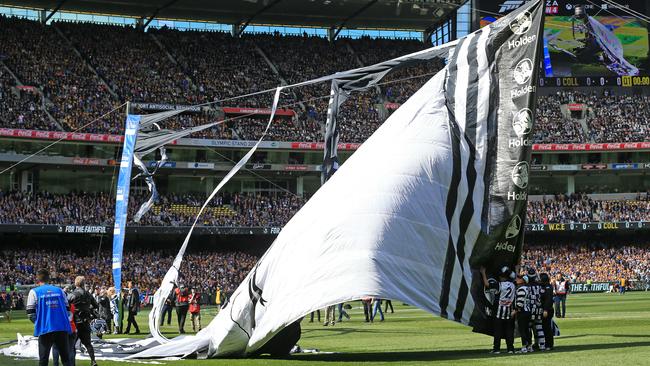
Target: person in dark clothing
{"points": [[317, 312], [85, 310], [367, 308], [132, 306], [522, 308], [182, 307], [387, 304], [72, 338], [167, 309], [105, 308], [547, 306], [535, 293]]}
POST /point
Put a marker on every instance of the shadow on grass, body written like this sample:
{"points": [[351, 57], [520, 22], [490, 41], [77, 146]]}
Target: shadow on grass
{"points": [[446, 355], [629, 335], [330, 331]]}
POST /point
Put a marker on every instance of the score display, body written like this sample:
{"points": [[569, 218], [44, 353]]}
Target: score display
{"points": [[593, 43], [624, 81]]}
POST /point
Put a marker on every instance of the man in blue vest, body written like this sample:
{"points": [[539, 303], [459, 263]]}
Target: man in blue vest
{"points": [[47, 307]]}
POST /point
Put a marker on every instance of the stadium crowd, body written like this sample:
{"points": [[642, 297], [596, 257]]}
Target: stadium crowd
{"points": [[83, 208], [578, 208], [267, 210], [551, 126], [612, 118], [204, 271], [591, 263], [79, 71], [208, 270]]}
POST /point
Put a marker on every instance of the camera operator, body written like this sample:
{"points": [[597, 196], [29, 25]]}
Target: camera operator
{"points": [[182, 306], [195, 308], [167, 309], [85, 311]]}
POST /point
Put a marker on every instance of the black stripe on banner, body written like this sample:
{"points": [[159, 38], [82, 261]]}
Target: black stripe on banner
{"points": [[467, 211], [452, 196]]}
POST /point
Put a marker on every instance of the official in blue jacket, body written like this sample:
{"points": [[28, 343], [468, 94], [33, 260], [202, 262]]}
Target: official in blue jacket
{"points": [[47, 307]]}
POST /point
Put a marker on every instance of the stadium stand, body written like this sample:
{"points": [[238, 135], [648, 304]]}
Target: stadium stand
{"points": [[84, 208], [269, 210], [77, 77], [21, 107], [576, 208], [590, 262], [202, 270], [581, 262]]}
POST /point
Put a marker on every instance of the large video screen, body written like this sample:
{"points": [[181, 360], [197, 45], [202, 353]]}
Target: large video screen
{"points": [[588, 43]]}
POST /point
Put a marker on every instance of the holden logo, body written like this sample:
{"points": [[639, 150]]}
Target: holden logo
{"points": [[523, 122], [521, 24], [513, 227], [520, 175], [523, 71]]}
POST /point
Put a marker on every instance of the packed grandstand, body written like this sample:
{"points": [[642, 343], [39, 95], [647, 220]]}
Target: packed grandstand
{"points": [[70, 76]]}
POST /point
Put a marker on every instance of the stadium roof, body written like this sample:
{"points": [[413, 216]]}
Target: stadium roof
{"points": [[388, 14]]}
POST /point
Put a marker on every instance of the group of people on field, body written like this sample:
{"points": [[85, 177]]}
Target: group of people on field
{"points": [[371, 308], [66, 317], [525, 302], [185, 300]]}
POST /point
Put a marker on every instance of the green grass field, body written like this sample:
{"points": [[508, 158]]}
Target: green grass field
{"points": [[601, 329]]}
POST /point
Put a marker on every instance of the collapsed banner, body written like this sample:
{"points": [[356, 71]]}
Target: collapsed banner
{"points": [[436, 193]]}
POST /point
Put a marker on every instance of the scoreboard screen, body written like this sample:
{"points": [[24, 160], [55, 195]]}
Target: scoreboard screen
{"points": [[588, 43]]}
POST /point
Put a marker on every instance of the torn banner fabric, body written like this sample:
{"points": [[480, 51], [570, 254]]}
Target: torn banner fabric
{"points": [[438, 191]]}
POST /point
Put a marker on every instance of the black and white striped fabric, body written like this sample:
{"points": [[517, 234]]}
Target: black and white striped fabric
{"points": [[436, 193]]}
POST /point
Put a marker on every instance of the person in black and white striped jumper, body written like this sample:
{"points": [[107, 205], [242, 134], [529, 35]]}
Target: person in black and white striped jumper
{"points": [[504, 326], [536, 291], [522, 307]]}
